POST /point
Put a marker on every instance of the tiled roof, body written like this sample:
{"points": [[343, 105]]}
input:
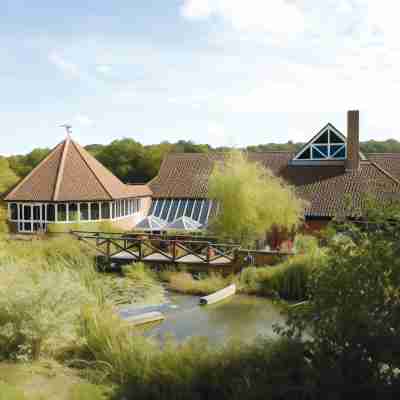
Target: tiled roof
{"points": [[325, 187], [70, 173]]}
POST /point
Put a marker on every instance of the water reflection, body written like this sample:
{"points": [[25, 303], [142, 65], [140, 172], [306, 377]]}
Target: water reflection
{"points": [[240, 316]]}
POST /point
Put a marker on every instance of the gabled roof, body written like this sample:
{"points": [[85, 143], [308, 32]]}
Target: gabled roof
{"points": [[70, 173], [325, 187], [329, 144]]}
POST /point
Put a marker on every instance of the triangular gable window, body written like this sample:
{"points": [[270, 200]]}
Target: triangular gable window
{"points": [[328, 144]]}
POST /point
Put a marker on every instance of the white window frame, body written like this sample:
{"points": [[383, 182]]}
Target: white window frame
{"points": [[313, 146]]}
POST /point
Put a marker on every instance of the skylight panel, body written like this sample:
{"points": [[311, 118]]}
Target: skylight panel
{"points": [[174, 208], [204, 212], [165, 210], [159, 206], [189, 208], [181, 208]]}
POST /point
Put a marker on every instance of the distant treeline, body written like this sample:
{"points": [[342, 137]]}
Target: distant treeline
{"points": [[135, 163]]}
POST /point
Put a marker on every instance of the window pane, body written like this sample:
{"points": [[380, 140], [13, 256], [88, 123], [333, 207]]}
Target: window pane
{"points": [[36, 213], [126, 207], [204, 212], [159, 206], [51, 212], [138, 205], [323, 150], [197, 208], [73, 212], [105, 210], [341, 153], [167, 204], [306, 155], [181, 208], [61, 212], [14, 211], [323, 138], [172, 213], [94, 211], [27, 212], [43, 212], [113, 210], [334, 148], [316, 155], [84, 211], [21, 215], [335, 138], [189, 208]]}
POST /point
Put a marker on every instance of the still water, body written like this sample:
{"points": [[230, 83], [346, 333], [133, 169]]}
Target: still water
{"points": [[240, 316]]}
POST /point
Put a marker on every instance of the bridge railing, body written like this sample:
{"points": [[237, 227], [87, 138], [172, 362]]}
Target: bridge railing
{"points": [[149, 248]]}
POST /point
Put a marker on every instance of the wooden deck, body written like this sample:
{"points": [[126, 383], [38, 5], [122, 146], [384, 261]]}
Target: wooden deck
{"points": [[126, 248]]}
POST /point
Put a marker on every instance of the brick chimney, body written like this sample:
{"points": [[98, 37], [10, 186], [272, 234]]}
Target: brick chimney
{"points": [[352, 162]]}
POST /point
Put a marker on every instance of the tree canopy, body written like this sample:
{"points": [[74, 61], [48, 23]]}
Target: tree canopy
{"points": [[251, 200], [353, 310], [136, 163]]}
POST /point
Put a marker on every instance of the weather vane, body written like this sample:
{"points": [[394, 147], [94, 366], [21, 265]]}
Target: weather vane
{"points": [[68, 128]]}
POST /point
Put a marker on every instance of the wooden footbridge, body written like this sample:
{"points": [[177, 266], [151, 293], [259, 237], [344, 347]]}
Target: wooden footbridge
{"points": [[122, 248]]}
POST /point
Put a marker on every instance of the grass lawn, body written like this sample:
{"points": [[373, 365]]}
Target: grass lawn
{"points": [[47, 380]]}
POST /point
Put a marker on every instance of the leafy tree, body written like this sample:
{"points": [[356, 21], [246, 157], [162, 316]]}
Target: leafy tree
{"points": [[251, 200], [125, 159], [22, 165], [8, 178], [353, 310]]}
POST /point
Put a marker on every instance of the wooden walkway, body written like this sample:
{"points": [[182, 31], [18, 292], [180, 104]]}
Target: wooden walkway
{"points": [[126, 248]]}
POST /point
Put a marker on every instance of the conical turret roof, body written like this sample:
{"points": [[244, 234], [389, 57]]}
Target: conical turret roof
{"points": [[70, 173]]}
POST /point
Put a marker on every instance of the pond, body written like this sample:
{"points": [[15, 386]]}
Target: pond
{"points": [[240, 316]]}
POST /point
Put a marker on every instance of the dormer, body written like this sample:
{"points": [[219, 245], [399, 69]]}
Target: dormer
{"points": [[327, 145], [330, 147]]}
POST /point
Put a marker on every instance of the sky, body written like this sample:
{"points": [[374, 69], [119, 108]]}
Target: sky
{"points": [[223, 72]]}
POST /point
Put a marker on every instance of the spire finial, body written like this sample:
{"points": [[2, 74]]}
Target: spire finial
{"points": [[68, 128]]}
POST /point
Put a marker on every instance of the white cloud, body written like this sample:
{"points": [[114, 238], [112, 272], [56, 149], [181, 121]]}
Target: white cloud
{"points": [[83, 120], [67, 68], [276, 16]]}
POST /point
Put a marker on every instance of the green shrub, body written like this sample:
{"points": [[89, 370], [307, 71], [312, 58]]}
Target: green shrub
{"points": [[138, 285], [288, 280], [101, 226], [114, 345], [306, 244], [38, 309], [183, 282], [9, 392]]}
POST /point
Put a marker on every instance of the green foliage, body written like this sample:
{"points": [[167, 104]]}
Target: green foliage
{"points": [[44, 284], [353, 310], [252, 200], [86, 391], [288, 280], [183, 282], [114, 345], [10, 392], [7, 176], [101, 226], [22, 165], [37, 309]]}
